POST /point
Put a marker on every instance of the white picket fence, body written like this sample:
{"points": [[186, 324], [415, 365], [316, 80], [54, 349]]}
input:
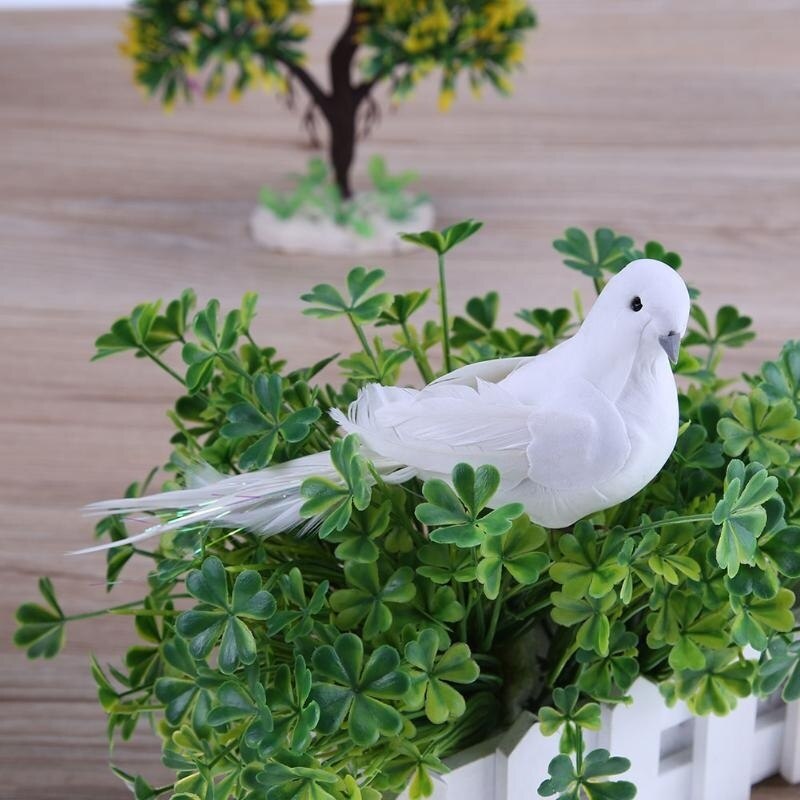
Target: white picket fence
{"points": [[674, 755]]}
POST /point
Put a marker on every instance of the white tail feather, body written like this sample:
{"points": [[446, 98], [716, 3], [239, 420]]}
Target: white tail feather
{"points": [[265, 502]]}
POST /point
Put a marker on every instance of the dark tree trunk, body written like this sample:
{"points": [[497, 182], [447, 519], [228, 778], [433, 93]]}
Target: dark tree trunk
{"points": [[344, 101], [340, 106], [342, 146]]}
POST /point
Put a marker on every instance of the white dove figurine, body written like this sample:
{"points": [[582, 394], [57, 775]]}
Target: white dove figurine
{"points": [[572, 431]]}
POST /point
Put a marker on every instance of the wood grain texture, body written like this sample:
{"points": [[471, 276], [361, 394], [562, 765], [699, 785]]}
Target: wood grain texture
{"points": [[674, 119]]}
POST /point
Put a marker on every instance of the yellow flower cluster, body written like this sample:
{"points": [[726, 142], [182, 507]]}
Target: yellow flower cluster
{"points": [[431, 29], [141, 38]]}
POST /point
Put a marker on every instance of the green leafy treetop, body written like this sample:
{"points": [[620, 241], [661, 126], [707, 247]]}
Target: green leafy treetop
{"points": [[182, 48], [345, 664]]}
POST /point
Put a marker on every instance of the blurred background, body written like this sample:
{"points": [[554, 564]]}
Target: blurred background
{"points": [[676, 120]]}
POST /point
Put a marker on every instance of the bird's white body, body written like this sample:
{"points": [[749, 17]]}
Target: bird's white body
{"points": [[572, 431], [568, 439]]}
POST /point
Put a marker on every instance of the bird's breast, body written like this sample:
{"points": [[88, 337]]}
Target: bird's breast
{"points": [[649, 406]]}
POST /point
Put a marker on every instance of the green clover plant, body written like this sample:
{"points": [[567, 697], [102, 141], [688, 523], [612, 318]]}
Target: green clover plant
{"points": [[350, 659]]}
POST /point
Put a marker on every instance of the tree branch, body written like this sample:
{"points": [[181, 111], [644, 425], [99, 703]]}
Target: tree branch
{"points": [[341, 55], [314, 90]]}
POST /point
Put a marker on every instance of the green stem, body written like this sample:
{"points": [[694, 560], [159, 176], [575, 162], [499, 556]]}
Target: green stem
{"points": [[495, 618], [577, 737], [233, 363], [712, 352], [672, 521], [448, 366], [462, 623], [562, 662], [156, 360], [116, 609], [420, 359], [362, 337]]}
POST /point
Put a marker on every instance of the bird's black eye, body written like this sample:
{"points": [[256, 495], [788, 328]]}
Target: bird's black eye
{"points": [[636, 303]]}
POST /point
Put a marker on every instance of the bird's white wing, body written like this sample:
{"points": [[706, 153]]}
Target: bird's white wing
{"points": [[432, 430], [577, 441], [492, 371]]}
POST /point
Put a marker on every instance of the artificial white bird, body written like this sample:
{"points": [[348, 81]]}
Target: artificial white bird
{"points": [[572, 431]]}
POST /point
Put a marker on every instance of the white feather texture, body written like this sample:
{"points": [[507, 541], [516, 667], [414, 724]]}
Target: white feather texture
{"points": [[572, 431]]}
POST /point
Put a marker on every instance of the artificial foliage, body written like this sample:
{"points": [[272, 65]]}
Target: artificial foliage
{"points": [[315, 196], [181, 49], [350, 661]]}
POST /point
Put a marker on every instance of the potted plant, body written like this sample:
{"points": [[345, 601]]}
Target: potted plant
{"points": [[350, 662], [180, 49]]}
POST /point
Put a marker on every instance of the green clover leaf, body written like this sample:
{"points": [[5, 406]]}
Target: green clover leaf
{"points": [[296, 776], [41, 628], [517, 552], [766, 431], [609, 251], [741, 514], [588, 781], [189, 684], [590, 565], [408, 760], [694, 450], [382, 366], [357, 541], [591, 613], [681, 624], [295, 714], [730, 329], [456, 514], [213, 343], [145, 330], [299, 617], [368, 597], [266, 420], [782, 548], [657, 251], [482, 314], [756, 617], [606, 677], [431, 675], [782, 377], [361, 309], [716, 687], [351, 692], [566, 711], [443, 241], [336, 501], [781, 665], [220, 614], [552, 325], [442, 563], [403, 306], [235, 702]]}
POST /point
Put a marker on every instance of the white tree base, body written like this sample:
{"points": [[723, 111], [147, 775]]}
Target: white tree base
{"points": [[674, 756], [319, 235]]}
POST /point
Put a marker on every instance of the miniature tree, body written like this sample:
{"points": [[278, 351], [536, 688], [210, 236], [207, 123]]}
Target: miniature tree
{"points": [[182, 48]]}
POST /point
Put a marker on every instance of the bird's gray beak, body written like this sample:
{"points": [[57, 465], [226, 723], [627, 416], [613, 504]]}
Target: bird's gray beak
{"points": [[671, 344]]}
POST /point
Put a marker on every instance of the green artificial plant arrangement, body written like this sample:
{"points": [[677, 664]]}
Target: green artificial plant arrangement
{"points": [[314, 195], [180, 49], [348, 663]]}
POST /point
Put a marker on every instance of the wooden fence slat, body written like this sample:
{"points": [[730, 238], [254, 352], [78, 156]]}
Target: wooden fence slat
{"points": [[723, 752], [634, 732], [522, 759], [790, 757], [472, 772], [673, 755]]}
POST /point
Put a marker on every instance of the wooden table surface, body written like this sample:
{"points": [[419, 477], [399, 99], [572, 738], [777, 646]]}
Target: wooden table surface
{"points": [[672, 119]]}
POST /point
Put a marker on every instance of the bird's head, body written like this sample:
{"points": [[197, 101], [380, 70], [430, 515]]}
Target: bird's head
{"points": [[646, 302]]}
